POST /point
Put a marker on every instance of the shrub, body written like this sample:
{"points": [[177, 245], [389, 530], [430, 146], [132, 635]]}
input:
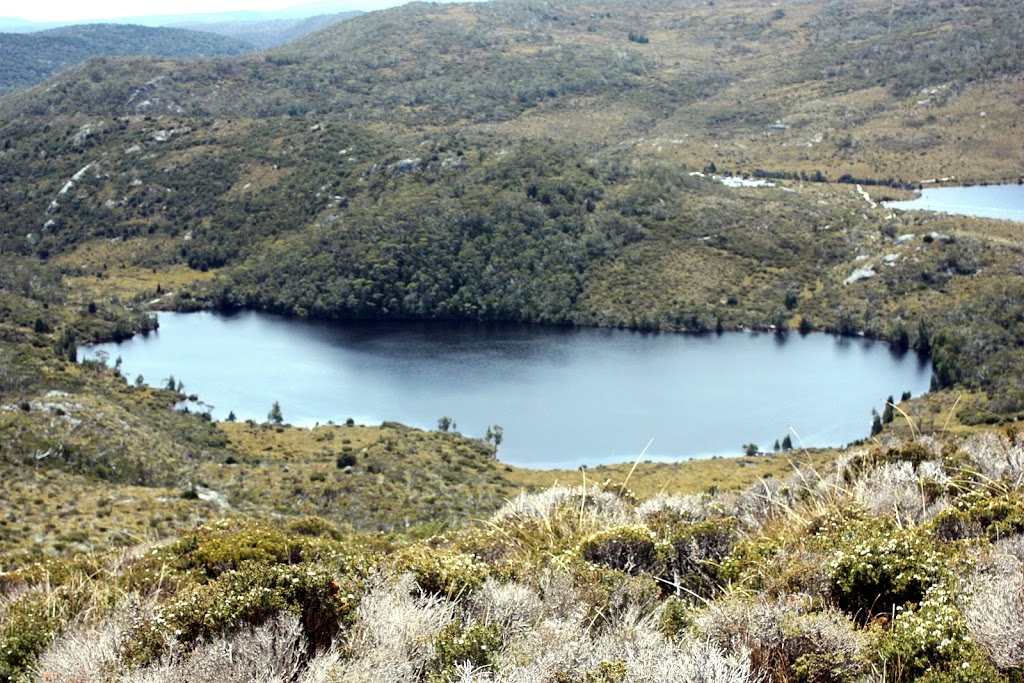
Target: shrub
{"points": [[980, 514], [877, 567], [316, 527], [930, 642], [30, 625], [604, 672], [694, 555], [630, 549], [606, 595], [247, 596], [41, 599], [476, 644], [446, 573], [273, 651], [687, 559], [676, 617], [216, 549], [824, 647], [777, 567]]}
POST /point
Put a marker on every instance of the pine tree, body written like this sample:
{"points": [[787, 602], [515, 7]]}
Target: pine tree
{"points": [[494, 435], [888, 414], [275, 415]]}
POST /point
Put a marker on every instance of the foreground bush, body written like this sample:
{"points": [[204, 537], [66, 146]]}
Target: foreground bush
{"points": [[808, 580]]}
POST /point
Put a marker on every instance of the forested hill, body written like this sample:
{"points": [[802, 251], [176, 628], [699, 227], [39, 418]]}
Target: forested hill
{"points": [[788, 86], [28, 58], [515, 161]]}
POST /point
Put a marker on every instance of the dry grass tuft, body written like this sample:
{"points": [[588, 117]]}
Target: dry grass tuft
{"points": [[696, 507], [514, 607], [84, 653], [997, 457], [274, 652], [392, 639], [1012, 545], [543, 505], [995, 609], [782, 636], [632, 650], [899, 488]]}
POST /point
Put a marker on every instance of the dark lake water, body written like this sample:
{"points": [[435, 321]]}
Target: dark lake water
{"points": [[987, 201], [564, 397]]}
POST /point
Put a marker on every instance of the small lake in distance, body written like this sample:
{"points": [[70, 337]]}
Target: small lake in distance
{"points": [[986, 201], [564, 397]]}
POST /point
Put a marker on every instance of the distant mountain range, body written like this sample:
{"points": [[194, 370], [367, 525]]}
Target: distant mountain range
{"points": [[297, 13], [265, 33], [29, 55]]}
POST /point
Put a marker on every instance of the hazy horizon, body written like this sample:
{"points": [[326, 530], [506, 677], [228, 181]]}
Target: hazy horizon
{"points": [[63, 11]]}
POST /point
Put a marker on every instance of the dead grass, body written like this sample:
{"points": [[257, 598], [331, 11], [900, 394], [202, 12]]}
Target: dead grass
{"points": [[995, 609]]}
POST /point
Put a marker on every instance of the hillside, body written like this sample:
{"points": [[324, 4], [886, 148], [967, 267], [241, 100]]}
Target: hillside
{"points": [[531, 162], [354, 175], [29, 58]]}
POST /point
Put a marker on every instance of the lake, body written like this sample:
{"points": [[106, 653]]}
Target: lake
{"points": [[986, 201], [564, 397]]}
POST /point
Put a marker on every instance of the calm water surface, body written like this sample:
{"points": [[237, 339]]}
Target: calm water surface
{"points": [[987, 201], [564, 397]]}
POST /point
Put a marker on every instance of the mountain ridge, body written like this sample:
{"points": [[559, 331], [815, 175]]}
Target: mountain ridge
{"points": [[28, 58]]}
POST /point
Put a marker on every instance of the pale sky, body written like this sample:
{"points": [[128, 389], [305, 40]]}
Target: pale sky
{"points": [[84, 10]]}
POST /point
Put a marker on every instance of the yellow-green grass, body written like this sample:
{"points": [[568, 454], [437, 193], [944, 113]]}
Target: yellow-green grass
{"points": [[108, 269], [389, 477], [46, 511], [691, 476], [309, 452], [942, 413], [315, 448]]}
